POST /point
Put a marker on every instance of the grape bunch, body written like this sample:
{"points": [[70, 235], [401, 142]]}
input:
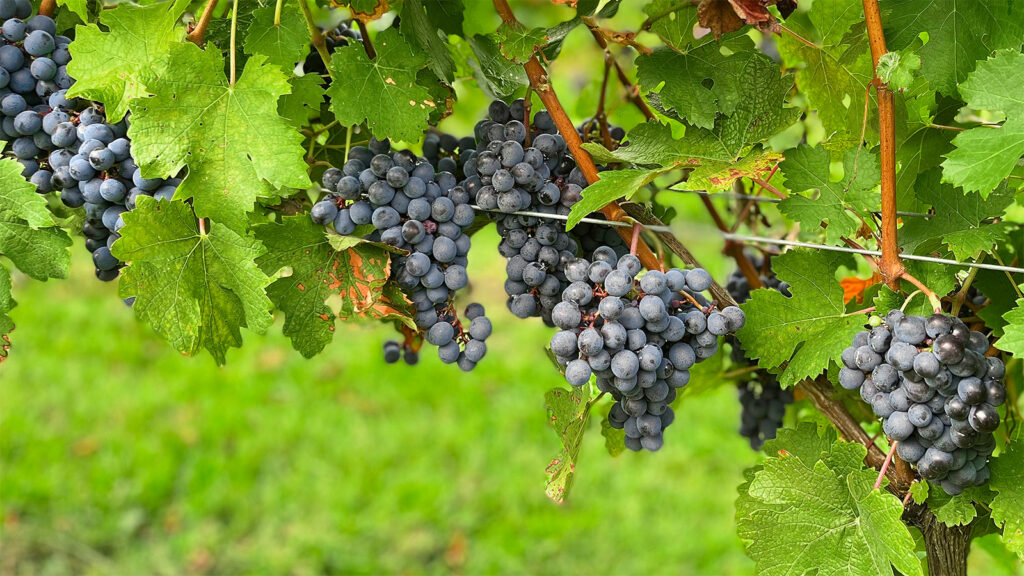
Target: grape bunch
{"points": [[639, 338], [505, 177], [403, 202], [93, 167], [935, 390], [739, 287], [333, 38], [447, 153], [763, 401], [33, 78], [763, 406], [395, 351]]}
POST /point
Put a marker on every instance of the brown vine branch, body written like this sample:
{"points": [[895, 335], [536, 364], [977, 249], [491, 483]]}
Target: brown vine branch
{"points": [[48, 8], [891, 267], [631, 89], [638, 213], [539, 83], [198, 34], [734, 249], [820, 393]]}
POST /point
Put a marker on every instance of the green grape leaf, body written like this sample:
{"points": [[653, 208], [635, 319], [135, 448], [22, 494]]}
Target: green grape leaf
{"points": [[120, 64], [834, 75], [417, 27], [569, 413], [354, 272], [613, 184], [700, 84], [919, 491], [18, 197], [446, 15], [808, 168], [303, 102], [958, 221], [957, 510], [284, 44], [897, 68], [719, 175], [809, 329], [195, 290], [984, 156], [614, 438], [954, 42], [518, 43], [7, 304], [236, 146], [799, 514], [496, 76], [1008, 505], [556, 36], [916, 154], [673, 21], [650, 144], [383, 91], [1013, 333], [28, 236], [79, 8]]}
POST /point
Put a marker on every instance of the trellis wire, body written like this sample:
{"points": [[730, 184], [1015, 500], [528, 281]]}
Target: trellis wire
{"points": [[770, 200], [776, 241]]}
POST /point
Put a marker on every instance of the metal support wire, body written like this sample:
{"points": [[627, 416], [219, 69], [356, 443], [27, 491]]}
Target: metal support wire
{"points": [[775, 241], [770, 200]]}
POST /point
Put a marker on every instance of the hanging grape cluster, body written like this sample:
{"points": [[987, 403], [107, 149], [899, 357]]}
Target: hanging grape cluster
{"points": [[936, 392], [66, 145], [397, 198], [639, 337], [763, 401]]}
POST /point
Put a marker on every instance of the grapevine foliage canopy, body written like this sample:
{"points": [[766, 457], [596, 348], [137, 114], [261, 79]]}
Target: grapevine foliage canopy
{"points": [[297, 158]]}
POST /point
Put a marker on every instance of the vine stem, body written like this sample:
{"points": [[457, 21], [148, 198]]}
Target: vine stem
{"points": [[636, 238], [961, 296], [234, 32], [798, 37], [734, 249], [316, 37], [891, 267], [48, 8], [764, 184], [631, 89], [539, 83], [819, 390], [198, 33], [932, 298], [885, 464], [277, 12], [367, 44]]}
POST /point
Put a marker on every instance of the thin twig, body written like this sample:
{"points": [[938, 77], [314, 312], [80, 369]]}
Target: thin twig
{"points": [[631, 89], [961, 295], [932, 298], [800, 38], [768, 187], [885, 465]]}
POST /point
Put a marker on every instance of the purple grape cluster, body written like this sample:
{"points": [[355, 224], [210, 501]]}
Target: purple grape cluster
{"points": [[639, 335], [935, 390]]}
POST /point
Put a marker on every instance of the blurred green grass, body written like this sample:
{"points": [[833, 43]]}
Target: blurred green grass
{"points": [[120, 456]]}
